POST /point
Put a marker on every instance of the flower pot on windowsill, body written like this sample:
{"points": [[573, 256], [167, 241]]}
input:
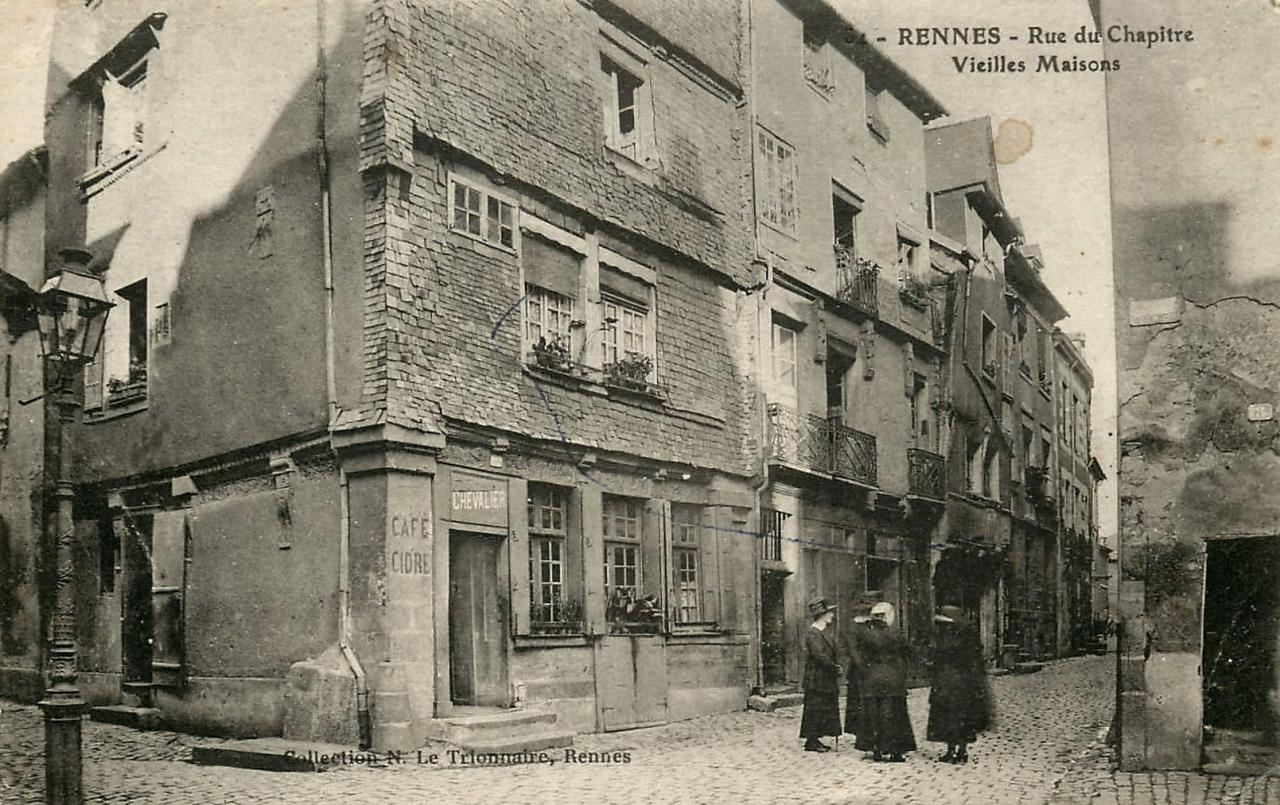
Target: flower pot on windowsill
{"points": [[630, 373], [125, 393]]}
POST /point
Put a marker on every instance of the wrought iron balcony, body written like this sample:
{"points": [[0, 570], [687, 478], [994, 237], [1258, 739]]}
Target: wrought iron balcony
{"points": [[926, 473], [856, 281], [821, 444]]}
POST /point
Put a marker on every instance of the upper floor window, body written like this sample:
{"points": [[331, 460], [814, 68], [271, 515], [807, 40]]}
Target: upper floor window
{"points": [[627, 328], [817, 60], [628, 104], [776, 182], [920, 412], [844, 224], [875, 114], [118, 124], [623, 531], [990, 347], [551, 275], [481, 214], [908, 253], [118, 374], [785, 368]]}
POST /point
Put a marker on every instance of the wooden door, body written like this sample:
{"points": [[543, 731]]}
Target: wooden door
{"points": [[631, 681], [168, 597], [477, 622], [134, 534]]}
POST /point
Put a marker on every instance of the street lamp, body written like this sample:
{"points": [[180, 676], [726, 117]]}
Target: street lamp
{"points": [[72, 309]]}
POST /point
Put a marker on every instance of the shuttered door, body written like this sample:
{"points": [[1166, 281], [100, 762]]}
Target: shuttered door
{"points": [[168, 593]]}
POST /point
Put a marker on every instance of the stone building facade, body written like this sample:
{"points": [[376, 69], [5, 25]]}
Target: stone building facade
{"points": [[1196, 290], [511, 357], [849, 329]]}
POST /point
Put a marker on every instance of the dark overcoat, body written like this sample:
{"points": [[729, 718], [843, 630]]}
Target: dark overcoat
{"points": [[884, 656], [821, 714], [853, 697], [883, 724], [960, 704]]}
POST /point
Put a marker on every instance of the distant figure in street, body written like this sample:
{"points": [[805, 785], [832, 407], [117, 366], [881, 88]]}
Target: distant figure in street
{"points": [[821, 716], [884, 726], [853, 701], [959, 699]]}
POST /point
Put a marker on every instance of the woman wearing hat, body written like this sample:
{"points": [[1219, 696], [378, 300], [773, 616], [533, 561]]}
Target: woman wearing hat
{"points": [[853, 700], [885, 727], [959, 698], [821, 716]]}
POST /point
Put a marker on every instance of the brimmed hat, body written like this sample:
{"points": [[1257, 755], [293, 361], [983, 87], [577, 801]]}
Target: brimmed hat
{"points": [[819, 606]]}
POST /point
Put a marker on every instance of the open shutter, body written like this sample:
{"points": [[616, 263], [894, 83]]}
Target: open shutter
{"points": [[518, 517], [593, 601], [117, 118], [709, 565], [93, 378], [169, 547], [653, 544]]}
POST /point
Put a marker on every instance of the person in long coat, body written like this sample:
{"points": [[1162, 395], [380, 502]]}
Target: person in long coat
{"points": [[960, 696], [821, 716], [853, 698], [883, 654]]}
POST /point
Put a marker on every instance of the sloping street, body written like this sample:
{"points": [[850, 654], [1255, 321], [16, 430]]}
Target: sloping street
{"points": [[1045, 749]]}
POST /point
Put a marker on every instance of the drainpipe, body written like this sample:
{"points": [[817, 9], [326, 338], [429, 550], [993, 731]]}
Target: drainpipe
{"points": [[363, 719]]}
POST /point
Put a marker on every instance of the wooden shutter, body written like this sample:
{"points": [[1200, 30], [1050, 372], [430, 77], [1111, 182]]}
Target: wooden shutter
{"points": [[169, 551], [709, 565], [518, 516], [653, 541], [94, 380], [592, 552]]}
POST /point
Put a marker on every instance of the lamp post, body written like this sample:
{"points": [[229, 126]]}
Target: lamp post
{"points": [[72, 309]]}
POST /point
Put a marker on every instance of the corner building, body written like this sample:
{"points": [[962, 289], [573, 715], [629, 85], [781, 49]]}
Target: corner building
{"points": [[426, 386]]}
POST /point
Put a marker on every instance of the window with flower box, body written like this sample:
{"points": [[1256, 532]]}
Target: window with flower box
{"points": [[632, 565], [627, 328], [553, 603]]}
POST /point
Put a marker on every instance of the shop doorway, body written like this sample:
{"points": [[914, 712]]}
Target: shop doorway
{"points": [[1240, 641], [136, 611], [477, 621], [773, 628]]}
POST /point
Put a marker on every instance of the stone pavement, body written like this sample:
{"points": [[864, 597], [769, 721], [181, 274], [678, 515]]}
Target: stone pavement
{"points": [[1044, 749]]}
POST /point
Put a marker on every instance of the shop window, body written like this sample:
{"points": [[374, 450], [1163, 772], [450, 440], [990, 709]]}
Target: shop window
{"points": [[481, 214], [776, 178], [686, 546], [632, 566], [551, 601]]}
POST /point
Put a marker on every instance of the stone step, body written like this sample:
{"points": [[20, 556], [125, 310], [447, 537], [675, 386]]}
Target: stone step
{"points": [[1237, 769], [1028, 667], [143, 718], [767, 704], [466, 727], [508, 744], [277, 754]]}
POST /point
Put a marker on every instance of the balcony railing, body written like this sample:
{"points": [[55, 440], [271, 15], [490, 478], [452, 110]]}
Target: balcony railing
{"points": [[856, 281], [821, 444], [925, 473]]}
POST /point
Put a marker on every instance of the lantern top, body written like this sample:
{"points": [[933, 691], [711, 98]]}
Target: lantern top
{"points": [[75, 279]]}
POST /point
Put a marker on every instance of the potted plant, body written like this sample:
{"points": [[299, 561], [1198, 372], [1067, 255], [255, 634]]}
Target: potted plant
{"points": [[914, 291], [567, 614], [553, 354], [630, 371], [132, 386]]}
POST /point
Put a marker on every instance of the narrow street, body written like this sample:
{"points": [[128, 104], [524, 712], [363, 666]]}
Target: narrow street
{"points": [[1045, 749]]}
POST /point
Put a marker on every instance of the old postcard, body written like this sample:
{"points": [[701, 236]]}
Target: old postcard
{"points": [[639, 401]]}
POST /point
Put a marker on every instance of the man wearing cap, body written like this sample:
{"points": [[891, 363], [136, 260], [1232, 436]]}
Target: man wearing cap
{"points": [[821, 716]]}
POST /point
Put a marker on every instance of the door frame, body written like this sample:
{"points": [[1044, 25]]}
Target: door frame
{"points": [[503, 585]]}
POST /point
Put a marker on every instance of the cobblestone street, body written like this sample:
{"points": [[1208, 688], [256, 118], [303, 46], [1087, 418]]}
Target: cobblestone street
{"points": [[1045, 749]]}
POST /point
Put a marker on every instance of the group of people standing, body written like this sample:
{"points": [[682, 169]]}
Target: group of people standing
{"points": [[878, 659]]}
